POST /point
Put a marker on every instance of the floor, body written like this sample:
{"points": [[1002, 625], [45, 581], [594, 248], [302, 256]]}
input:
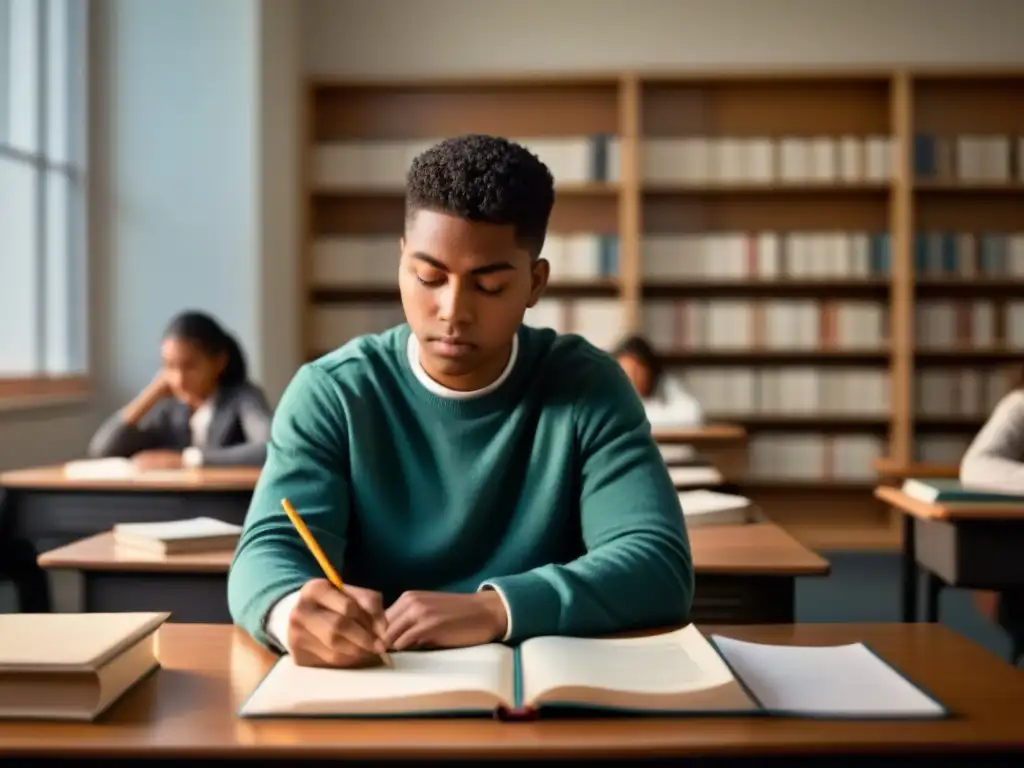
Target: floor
{"points": [[861, 587]]}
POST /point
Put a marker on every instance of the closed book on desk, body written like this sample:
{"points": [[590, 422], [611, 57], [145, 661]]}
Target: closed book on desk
{"points": [[72, 666], [949, 491], [704, 507], [695, 476], [678, 673], [177, 537]]}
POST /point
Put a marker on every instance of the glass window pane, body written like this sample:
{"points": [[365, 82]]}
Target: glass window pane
{"points": [[56, 274], [57, 81], [23, 74], [19, 321]]}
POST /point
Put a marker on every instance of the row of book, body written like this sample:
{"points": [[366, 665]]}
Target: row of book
{"points": [[795, 391], [382, 164], [957, 391], [766, 255], [709, 160], [969, 254], [969, 158], [978, 324], [768, 324], [812, 458], [733, 325]]}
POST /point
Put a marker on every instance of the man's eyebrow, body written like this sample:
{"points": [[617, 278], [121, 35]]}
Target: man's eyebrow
{"points": [[487, 269]]}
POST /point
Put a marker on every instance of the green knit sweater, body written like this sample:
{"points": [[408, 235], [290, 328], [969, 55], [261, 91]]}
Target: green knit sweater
{"points": [[549, 489]]}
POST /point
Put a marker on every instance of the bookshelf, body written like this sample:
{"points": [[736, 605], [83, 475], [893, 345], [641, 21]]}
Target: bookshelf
{"points": [[817, 254]]}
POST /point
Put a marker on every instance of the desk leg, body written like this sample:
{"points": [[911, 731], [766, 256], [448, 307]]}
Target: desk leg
{"points": [[910, 580]]}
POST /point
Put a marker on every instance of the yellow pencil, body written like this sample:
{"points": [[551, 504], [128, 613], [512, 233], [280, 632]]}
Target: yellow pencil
{"points": [[318, 553]]}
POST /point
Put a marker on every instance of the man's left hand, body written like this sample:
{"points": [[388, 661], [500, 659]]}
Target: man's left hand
{"points": [[445, 620]]}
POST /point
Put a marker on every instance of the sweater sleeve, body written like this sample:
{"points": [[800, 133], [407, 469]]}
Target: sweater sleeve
{"points": [[994, 459], [307, 464], [637, 571]]}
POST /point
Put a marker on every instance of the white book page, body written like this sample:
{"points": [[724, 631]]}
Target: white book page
{"points": [[194, 528], [657, 666], [845, 680], [478, 677]]}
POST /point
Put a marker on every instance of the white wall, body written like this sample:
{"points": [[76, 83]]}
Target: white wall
{"points": [[403, 37]]}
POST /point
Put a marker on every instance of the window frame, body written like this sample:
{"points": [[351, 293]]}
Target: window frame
{"points": [[50, 384]]}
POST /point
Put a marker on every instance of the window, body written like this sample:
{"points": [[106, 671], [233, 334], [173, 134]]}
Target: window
{"points": [[43, 118]]}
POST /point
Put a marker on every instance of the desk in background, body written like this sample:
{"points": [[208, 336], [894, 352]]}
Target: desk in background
{"points": [[50, 509], [187, 710], [745, 574], [971, 547]]}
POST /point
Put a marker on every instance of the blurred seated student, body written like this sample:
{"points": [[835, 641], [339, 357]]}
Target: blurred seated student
{"points": [[666, 401], [995, 461], [199, 410]]}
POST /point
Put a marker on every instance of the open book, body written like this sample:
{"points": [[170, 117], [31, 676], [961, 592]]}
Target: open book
{"points": [[72, 666], [679, 672]]}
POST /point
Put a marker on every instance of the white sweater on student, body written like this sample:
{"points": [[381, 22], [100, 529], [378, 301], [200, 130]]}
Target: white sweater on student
{"points": [[995, 458]]}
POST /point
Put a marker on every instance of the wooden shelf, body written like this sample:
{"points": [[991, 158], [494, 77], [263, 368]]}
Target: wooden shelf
{"points": [[627, 202], [816, 357], [855, 287]]}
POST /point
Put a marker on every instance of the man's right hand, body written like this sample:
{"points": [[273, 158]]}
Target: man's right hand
{"points": [[333, 628]]}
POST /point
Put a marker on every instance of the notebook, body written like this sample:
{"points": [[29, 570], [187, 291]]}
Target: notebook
{"points": [[950, 491], [704, 507], [198, 534], [695, 477], [72, 666], [679, 672]]}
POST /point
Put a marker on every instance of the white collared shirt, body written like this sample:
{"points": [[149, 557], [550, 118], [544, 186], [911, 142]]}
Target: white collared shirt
{"points": [[199, 426]]}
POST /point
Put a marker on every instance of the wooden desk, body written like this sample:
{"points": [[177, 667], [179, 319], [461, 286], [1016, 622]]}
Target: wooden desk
{"points": [[745, 574], [960, 546], [50, 509], [115, 578], [187, 710]]}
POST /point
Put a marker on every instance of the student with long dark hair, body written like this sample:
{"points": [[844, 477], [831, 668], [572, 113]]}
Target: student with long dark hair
{"points": [[665, 400], [200, 409]]}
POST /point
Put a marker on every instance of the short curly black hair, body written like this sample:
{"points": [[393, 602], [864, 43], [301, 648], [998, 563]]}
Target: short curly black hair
{"points": [[484, 178]]}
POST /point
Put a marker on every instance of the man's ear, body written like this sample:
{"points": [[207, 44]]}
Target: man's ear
{"points": [[401, 245], [540, 271]]}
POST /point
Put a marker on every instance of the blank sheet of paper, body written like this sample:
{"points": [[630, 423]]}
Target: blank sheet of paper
{"points": [[837, 681]]}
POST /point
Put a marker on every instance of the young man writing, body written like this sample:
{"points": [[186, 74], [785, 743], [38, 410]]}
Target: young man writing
{"points": [[471, 478]]}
